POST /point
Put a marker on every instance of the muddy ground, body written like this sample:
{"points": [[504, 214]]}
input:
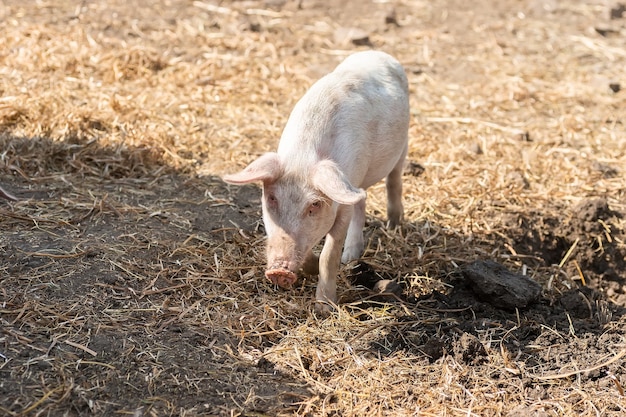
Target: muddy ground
{"points": [[132, 276]]}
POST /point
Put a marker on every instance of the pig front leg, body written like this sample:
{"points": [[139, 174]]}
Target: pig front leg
{"points": [[354, 241], [330, 260]]}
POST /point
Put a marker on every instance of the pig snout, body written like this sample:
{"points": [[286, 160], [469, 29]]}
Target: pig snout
{"points": [[283, 260], [280, 275]]}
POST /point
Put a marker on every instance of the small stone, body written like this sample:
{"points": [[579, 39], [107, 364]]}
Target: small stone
{"points": [[468, 349], [524, 137], [501, 288], [392, 18], [414, 169], [434, 348], [255, 27], [475, 148], [388, 291], [517, 179], [388, 286], [606, 170], [618, 11]]}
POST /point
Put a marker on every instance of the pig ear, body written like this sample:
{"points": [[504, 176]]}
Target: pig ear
{"points": [[329, 179], [265, 168]]}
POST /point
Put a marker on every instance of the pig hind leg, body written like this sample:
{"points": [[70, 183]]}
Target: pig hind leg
{"points": [[395, 210], [353, 248]]}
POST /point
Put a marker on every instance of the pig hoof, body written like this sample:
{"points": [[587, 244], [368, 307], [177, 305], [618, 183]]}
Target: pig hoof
{"points": [[323, 309], [284, 278], [351, 253]]}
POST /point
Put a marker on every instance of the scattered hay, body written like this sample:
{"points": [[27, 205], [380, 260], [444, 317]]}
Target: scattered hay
{"points": [[132, 276]]}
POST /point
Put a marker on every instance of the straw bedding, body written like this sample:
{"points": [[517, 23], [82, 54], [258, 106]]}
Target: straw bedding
{"points": [[132, 276]]}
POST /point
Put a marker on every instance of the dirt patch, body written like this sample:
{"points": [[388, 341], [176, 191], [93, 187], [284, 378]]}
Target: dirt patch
{"points": [[588, 237], [131, 276]]}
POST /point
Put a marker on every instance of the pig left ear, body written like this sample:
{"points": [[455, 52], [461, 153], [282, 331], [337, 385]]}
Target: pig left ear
{"points": [[329, 179], [265, 168]]}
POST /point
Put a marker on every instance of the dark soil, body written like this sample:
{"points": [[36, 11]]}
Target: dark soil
{"points": [[115, 298]]}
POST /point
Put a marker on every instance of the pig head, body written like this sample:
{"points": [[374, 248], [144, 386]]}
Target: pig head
{"points": [[299, 209]]}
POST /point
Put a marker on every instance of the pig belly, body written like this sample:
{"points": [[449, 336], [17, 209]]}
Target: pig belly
{"points": [[380, 168]]}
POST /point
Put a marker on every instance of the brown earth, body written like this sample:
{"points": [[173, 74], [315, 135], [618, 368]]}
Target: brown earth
{"points": [[132, 276]]}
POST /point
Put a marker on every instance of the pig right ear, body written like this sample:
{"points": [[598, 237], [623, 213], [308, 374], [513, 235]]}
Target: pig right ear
{"points": [[329, 179], [265, 168]]}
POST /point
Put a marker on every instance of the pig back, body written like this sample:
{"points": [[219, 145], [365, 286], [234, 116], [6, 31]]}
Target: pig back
{"points": [[357, 116]]}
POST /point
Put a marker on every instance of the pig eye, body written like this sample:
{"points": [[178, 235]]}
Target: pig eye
{"points": [[272, 201], [314, 207]]}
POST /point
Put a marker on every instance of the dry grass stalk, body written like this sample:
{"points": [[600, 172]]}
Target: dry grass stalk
{"points": [[132, 276]]}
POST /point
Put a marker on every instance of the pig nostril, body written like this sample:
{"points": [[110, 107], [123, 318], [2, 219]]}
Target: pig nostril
{"points": [[282, 277]]}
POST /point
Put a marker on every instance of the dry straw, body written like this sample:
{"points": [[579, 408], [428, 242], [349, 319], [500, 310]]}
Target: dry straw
{"points": [[131, 276]]}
